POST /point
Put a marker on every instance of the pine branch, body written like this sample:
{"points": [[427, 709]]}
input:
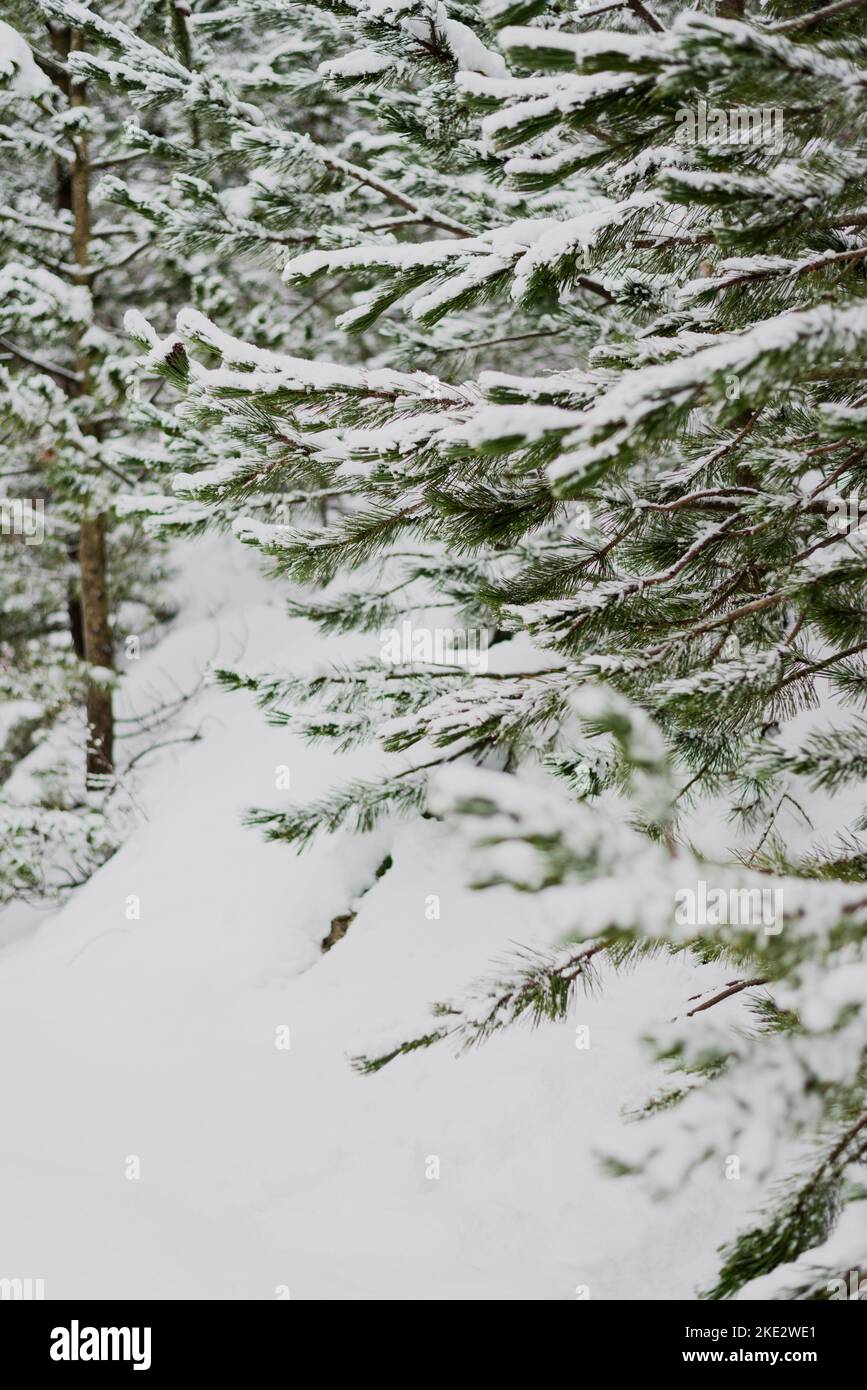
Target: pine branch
{"points": [[63, 374]]}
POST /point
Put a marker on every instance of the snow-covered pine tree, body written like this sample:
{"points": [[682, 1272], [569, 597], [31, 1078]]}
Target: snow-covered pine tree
{"points": [[658, 216], [291, 146], [75, 579]]}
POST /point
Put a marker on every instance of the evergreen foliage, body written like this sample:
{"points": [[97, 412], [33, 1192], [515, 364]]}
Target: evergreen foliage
{"points": [[591, 384], [74, 580]]}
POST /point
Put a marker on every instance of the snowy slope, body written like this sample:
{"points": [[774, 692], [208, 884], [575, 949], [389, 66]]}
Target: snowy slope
{"points": [[262, 1167]]}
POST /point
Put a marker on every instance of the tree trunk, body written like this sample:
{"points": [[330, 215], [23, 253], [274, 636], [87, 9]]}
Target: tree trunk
{"points": [[98, 645], [75, 616], [98, 648]]}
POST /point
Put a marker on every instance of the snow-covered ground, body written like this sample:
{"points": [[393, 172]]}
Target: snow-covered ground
{"points": [[264, 1168]]}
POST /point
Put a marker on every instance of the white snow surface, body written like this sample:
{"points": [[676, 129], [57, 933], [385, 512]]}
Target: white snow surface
{"points": [[264, 1167], [16, 58], [361, 62]]}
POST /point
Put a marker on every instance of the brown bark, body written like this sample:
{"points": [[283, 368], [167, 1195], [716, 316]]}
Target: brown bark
{"points": [[98, 644], [98, 648], [87, 603], [76, 618]]}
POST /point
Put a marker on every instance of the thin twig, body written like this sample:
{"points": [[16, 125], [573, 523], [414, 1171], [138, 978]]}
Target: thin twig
{"points": [[805, 21], [39, 363], [189, 738], [727, 993], [643, 12], [495, 342]]}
